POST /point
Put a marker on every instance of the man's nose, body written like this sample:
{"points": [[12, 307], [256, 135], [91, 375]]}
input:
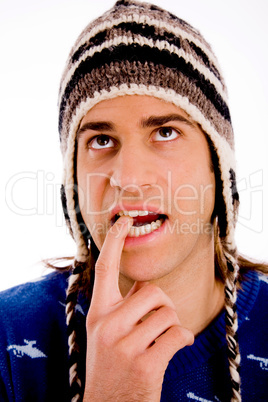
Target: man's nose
{"points": [[133, 169]]}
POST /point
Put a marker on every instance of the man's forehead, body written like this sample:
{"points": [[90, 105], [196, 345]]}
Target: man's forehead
{"points": [[146, 111]]}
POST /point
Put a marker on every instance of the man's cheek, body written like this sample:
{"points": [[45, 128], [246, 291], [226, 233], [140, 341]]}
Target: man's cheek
{"points": [[98, 232]]}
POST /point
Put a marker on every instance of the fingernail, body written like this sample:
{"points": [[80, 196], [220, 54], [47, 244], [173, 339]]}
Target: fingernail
{"points": [[120, 224], [126, 220]]}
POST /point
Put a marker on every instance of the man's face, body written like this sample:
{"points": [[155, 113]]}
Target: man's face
{"points": [[141, 154]]}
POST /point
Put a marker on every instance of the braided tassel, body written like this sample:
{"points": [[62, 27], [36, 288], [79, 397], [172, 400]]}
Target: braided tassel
{"points": [[71, 300], [232, 326]]}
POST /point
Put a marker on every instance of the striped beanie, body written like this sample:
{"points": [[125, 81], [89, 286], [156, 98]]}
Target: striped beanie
{"points": [[138, 48]]}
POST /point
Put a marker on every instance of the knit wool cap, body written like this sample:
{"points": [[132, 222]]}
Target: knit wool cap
{"points": [[138, 48]]}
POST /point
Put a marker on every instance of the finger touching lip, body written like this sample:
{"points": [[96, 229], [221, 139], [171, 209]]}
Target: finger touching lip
{"points": [[121, 227]]}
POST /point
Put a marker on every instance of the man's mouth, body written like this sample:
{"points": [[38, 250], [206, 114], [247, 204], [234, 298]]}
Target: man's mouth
{"points": [[144, 222]]}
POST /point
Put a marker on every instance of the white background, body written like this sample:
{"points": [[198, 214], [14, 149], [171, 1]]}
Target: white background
{"points": [[35, 38]]}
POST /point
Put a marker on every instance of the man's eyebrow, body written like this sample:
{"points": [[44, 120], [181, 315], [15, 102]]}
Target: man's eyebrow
{"points": [[153, 121], [96, 126]]}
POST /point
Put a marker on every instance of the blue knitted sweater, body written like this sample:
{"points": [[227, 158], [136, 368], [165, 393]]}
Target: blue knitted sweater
{"points": [[34, 351]]}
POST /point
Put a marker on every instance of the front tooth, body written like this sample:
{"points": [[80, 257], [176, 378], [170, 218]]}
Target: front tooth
{"points": [[143, 213], [133, 213]]}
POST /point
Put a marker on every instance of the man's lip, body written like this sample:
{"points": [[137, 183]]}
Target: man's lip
{"points": [[124, 207]]}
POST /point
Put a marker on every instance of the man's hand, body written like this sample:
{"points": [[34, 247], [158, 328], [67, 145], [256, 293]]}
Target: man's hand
{"points": [[127, 355]]}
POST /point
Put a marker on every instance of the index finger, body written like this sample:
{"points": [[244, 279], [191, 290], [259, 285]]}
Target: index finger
{"points": [[106, 289]]}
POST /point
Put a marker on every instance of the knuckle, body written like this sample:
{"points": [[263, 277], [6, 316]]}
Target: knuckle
{"points": [[157, 295], [91, 320], [124, 350], [102, 333], [170, 314], [101, 267], [153, 291], [144, 369], [184, 335], [189, 337]]}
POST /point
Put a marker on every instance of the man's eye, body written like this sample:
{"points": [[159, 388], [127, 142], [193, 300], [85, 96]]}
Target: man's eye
{"points": [[165, 134], [101, 141]]}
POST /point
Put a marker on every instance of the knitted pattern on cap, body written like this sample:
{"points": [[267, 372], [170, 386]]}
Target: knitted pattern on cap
{"points": [[139, 49]]}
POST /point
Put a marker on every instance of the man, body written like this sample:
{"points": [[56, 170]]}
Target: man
{"points": [[149, 194]]}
